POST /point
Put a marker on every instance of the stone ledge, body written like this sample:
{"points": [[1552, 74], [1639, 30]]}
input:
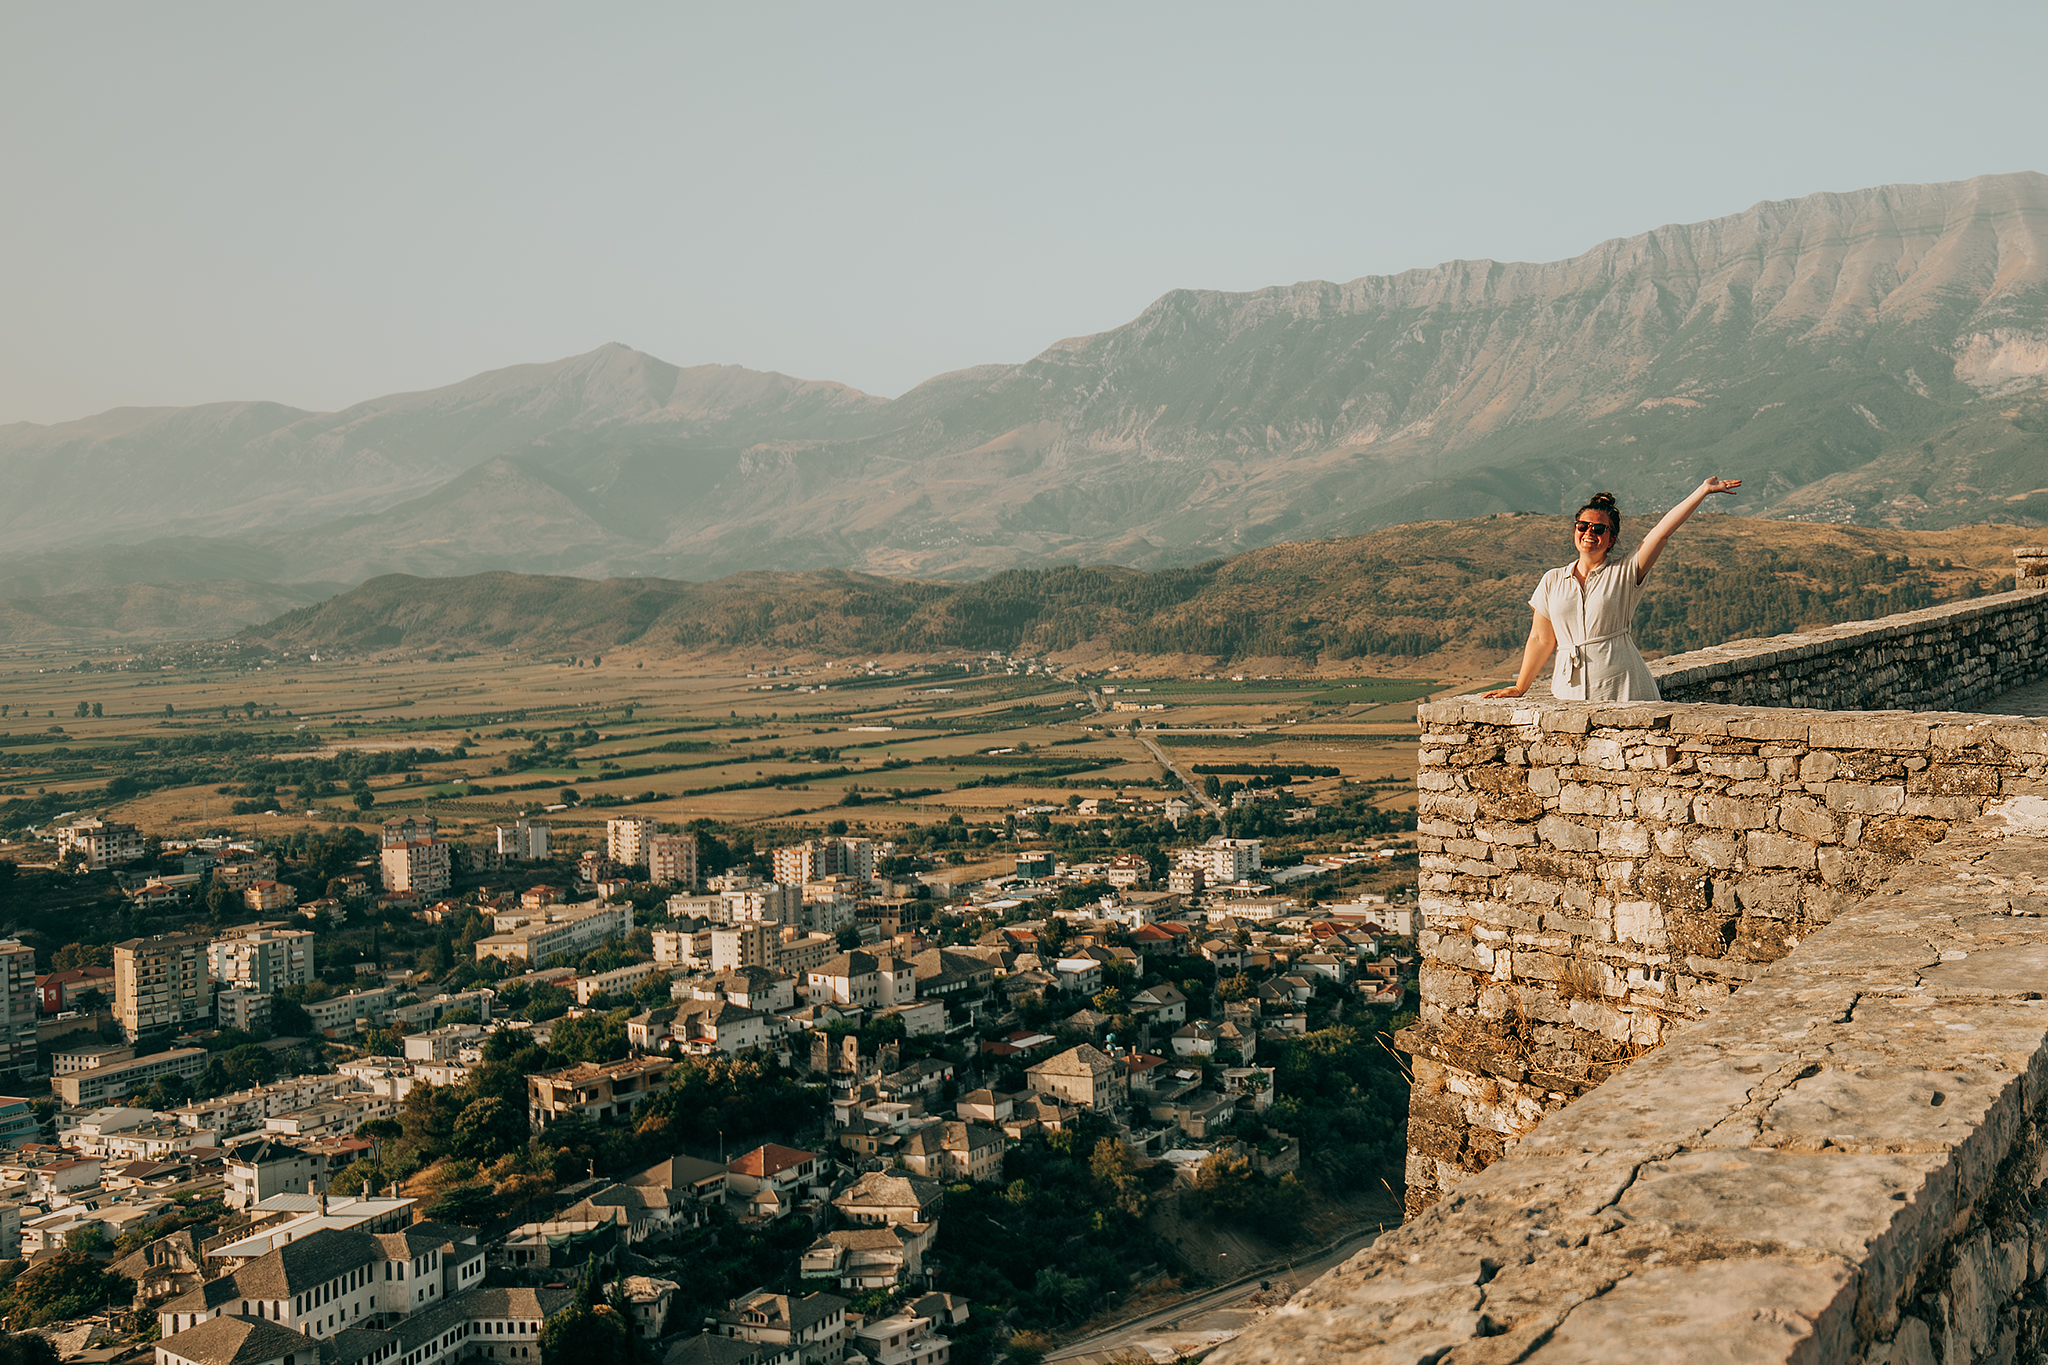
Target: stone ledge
{"points": [[1836, 1165]]}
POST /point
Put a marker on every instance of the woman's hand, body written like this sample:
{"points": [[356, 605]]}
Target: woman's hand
{"points": [[1504, 692], [1720, 485]]}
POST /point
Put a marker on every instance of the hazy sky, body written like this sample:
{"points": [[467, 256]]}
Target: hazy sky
{"points": [[317, 204]]}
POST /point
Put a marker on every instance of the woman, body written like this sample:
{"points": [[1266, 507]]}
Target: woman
{"points": [[1584, 610]]}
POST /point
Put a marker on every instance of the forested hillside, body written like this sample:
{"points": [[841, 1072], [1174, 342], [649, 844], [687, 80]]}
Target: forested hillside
{"points": [[1406, 594]]}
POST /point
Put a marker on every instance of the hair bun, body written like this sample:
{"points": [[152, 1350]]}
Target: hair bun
{"points": [[1601, 500]]}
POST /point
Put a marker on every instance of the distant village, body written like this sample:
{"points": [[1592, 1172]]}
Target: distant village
{"points": [[937, 1025]]}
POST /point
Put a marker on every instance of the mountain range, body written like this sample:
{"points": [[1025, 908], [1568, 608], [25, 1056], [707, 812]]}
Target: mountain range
{"points": [[1875, 357]]}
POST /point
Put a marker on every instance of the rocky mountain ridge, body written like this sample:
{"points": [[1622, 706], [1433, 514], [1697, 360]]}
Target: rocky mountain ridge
{"points": [[1876, 356]]}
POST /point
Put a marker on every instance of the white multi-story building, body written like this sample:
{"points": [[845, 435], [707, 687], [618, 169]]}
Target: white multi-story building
{"points": [[625, 839], [104, 843], [525, 841], [771, 902], [570, 930], [1222, 860], [262, 957], [417, 865], [816, 859]]}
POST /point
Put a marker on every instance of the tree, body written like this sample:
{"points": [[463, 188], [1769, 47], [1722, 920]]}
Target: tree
{"points": [[69, 1284], [365, 799], [26, 1348], [488, 1129], [75, 955], [73, 860], [848, 939]]}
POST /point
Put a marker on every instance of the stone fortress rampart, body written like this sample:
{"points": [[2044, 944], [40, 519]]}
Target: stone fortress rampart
{"points": [[1800, 948]]}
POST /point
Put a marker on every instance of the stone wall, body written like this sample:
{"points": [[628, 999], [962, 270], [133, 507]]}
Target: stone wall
{"points": [[1593, 874], [1945, 658], [1845, 1165]]}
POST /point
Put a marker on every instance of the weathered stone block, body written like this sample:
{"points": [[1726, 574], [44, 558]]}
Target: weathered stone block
{"points": [[1740, 766], [1805, 817], [1717, 851], [1818, 767], [1776, 895], [1602, 753], [1640, 922], [1775, 850], [1543, 781], [1580, 798], [1886, 799], [1664, 803], [1724, 812], [1464, 809], [1448, 987], [1624, 838], [1568, 834], [1505, 834]]}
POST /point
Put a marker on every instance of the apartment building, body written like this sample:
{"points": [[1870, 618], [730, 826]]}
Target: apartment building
{"points": [[342, 1011], [672, 860], [262, 957], [1221, 860], [420, 866], [596, 1090], [161, 983], [570, 930], [770, 901], [525, 841], [245, 1110], [102, 1085], [744, 945], [816, 859], [242, 1007], [103, 843], [268, 897], [19, 1001], [626, 839], [408, 829], [618, 981]]}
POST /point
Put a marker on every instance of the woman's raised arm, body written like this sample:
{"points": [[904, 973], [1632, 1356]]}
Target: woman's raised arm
{"points": [[1653, 543]]}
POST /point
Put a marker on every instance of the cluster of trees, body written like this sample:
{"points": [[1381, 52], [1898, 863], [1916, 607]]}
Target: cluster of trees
{"points": [[1061, 1237], [471, 1145], [68, 1284]]}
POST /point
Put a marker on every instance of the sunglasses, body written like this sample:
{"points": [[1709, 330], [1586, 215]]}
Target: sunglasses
{"points": [[1591, 528]]}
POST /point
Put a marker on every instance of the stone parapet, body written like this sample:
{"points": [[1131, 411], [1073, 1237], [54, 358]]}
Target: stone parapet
{"points": [[1950, 657], [1594, 874], [1843, 1163]]}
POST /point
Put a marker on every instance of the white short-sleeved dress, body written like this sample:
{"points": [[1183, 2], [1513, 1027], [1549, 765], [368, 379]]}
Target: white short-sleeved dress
{"points": [[1597, 659]]}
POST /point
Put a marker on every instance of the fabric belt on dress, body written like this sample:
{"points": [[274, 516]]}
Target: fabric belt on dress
{"points": [[1576, 659]]}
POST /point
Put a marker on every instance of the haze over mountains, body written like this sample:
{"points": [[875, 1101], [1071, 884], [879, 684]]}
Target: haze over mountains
{"points": [[1876, 356]]}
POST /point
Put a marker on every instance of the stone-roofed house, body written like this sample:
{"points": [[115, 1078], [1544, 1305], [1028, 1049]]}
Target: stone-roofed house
{"points": [[331, 1280], [870, 1258], [813, 1324], [953, 1151], [769, 1180], [948, 971], [238, 1341], [890, 1197], [1086, 1077]]}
